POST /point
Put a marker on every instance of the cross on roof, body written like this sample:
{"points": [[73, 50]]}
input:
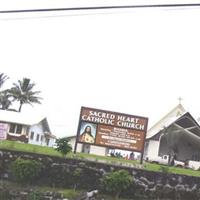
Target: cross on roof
{"points": [[180, 99]]}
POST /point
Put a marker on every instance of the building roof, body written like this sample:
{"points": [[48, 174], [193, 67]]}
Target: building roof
{"points": [[19, 118], [25, 119], [168, 119], [184, 123], [71, 136]]}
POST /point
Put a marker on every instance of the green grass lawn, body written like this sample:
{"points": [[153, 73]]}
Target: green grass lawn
{"points": [[174, 170], [16, 146]]}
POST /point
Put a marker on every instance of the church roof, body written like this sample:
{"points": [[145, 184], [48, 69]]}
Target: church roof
{"points": [[184, 123], [168, 119]]}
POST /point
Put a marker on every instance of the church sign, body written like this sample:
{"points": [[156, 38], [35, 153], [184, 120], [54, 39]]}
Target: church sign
{"points": [[112, 129]]}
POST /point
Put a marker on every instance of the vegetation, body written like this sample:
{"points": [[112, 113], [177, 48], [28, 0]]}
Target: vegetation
{"points": [[3, 79], [22, 92], [35, 195], [25, 171], [5, 101], [37, 190], [116, 182], [17, 146], [4, 94], [63, 146], [164, 169], [67, 193], [31, 148]]}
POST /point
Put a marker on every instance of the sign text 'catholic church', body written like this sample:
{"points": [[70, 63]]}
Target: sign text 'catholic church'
{"points": [[111, 129]]}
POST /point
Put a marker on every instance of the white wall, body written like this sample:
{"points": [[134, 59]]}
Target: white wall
{"points": [[52, 142], [152, 149], [98, 150], [72, 141], [93, 149], [38, 130]]}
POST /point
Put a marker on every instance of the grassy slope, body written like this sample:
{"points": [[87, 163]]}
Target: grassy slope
{"points": [[16, 146]]}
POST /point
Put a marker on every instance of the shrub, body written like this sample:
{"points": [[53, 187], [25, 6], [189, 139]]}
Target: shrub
{"points": [[34, 196], [63, 146], [26, 170], [116, 182]]}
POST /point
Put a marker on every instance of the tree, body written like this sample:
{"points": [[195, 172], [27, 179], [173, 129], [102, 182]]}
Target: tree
{"points": [[63, 146], [116, 182], [3, 78], [23, 92], [5, 101]]}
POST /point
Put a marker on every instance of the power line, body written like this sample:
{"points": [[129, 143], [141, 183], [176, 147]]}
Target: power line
{"points": [[100, 8]]}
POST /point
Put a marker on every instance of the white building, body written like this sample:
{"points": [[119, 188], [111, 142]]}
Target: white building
{"points": [[176, 133], [25, 128]]}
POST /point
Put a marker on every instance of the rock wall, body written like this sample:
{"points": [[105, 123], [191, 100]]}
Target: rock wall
{"points": [[28, 195], [73, 173]]}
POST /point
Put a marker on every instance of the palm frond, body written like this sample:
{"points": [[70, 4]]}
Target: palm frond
{"points": [[24, 94], [3, 78]]}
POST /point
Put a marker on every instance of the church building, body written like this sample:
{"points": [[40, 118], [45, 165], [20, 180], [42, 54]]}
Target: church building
{"points": [[177, 133]]}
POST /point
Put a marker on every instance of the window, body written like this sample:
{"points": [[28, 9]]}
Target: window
{"points": [[27, 130], [19, 129], [12, 128], [32, 135], [47, 141], [38, 136], [15, 128]]}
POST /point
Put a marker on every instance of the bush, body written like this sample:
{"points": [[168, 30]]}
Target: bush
{"points": [[26, 170], [116, 182], [63, 146], [34, 196]]}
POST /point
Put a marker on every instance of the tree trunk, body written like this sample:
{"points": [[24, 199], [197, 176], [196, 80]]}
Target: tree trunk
{"points": [[20, 107]]}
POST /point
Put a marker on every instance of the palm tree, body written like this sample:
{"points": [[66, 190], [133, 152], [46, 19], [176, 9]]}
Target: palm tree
{"points": [[5, 101], [3, 78], [23, 92], [4, 95]]}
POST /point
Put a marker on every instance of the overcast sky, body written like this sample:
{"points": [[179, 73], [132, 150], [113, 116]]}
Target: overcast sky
{"points": [[135, 61]]}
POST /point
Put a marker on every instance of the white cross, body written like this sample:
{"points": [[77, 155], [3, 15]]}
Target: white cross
{"points": [[180, 99]]}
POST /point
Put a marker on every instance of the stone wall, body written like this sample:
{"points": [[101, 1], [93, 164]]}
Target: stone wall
{"points": [[60, 172], [12, 194]]}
